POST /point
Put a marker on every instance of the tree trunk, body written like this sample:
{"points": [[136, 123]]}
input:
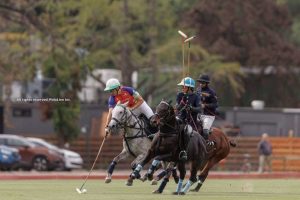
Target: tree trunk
{"points": [[126, 65], [153, 56]]}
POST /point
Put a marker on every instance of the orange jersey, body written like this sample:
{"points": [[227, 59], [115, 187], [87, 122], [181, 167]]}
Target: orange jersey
{"points": [[126, 95]]}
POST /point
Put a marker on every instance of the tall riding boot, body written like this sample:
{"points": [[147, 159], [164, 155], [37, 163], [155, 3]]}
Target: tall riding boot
{"points": [[182, 153]]}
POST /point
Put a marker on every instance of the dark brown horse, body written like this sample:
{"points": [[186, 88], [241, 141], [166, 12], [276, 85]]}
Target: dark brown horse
{"points": [[167, 145], [220, 150]]}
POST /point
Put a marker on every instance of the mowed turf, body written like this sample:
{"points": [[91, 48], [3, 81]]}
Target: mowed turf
{"points": [[231, 189]]}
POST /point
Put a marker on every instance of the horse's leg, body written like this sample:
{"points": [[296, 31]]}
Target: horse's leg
{"points": [[150, 154], [163, 183], [203, 175], [135, 166], [166, 168], [139, 167], [182, 172], [124, 154], [166, 179], [174, 174], [161, 174], [193, 178], [151, 170]]}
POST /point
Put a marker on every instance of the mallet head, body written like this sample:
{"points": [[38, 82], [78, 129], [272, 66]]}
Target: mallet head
{"points": [[189, 39], [81, 191], [182, 34]]}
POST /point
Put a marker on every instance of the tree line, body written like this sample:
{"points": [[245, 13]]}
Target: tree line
{"points": [[250, 48]]}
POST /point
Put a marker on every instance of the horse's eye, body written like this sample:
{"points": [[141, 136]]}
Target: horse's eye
{"points": [[121, 112]]}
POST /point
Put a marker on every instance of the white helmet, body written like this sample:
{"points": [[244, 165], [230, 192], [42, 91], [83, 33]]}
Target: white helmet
{"points": [[111, 84]]}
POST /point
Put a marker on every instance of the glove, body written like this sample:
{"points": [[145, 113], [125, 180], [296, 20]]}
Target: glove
{"points": [[179, 106], [196, 109], [188, 108]]}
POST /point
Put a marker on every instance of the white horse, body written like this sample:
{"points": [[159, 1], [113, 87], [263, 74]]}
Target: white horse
{"points": [[135, 140]]}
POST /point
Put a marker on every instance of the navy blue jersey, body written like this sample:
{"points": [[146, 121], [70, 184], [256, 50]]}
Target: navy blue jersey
{"points": [[209, 99], [190, 99]]}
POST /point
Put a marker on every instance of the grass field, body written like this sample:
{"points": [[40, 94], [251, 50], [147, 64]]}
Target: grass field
{"points": [[231, 189]]}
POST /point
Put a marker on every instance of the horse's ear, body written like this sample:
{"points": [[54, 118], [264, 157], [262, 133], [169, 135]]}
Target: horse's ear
{"points": [[119, 102], [170, 102]]}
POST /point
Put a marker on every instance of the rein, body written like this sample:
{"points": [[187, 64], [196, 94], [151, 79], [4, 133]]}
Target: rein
{"points": [[126, 124]]}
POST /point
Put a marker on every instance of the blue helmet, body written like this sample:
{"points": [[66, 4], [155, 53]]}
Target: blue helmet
{"points": [[187, 81]]}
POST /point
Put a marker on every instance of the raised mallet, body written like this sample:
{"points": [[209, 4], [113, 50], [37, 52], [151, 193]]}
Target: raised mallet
{"points": [[183, 37], [182, 34], [81, 190], [189, 41]]}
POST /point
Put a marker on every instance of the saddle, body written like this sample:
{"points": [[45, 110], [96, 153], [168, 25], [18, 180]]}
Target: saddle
{"points": [[149, 129]]}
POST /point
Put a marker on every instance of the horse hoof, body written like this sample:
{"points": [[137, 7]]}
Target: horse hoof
{"points": [[129, 182], [181, 193], [154, 182], [135, 175], [176, 179], [156, 192], [107, 180], [144, 178], [150, 177], [196, 189]]}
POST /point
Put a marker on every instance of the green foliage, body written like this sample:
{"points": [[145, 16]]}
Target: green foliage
{"points": [[65, 115], [142, 36], [294, 7], [295, 37], [253, 34]]}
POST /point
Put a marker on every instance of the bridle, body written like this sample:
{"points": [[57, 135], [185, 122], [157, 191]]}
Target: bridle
{"points": [[163, 118], [124, 122]]}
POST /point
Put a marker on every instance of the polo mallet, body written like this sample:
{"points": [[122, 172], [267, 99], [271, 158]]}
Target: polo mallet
{"points": [[184, 36], [189, 41], [81, 190]]}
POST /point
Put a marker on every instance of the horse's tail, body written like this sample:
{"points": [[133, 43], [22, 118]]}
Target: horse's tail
{"points": [[232, 143]]}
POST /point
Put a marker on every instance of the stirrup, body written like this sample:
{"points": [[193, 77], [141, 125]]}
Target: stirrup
{"points": [[183, 155], [210, 143]]}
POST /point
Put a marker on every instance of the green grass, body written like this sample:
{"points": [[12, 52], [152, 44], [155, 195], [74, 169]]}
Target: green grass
{"points": [[97, 190]]}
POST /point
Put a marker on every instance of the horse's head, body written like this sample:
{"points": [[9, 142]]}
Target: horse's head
{"points": [[163, 114], [119, 119]]}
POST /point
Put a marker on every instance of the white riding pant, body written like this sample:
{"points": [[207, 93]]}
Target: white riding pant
{"points": [[145, 109], [207, 121]]}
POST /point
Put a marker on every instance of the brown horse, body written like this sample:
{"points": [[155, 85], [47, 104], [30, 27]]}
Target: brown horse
{"points": [[219, 151]]}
